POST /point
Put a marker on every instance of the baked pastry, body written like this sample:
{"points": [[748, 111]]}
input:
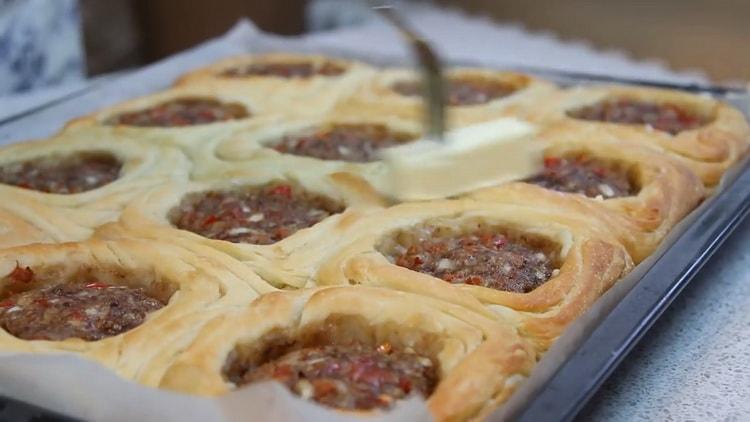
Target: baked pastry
{"points": [[704, 133], [190, 107], [290, 71], [191, 118], [307, 83], [64, 187], [640, 193], [280, 220], [129, 304], [15, 230], [239, 221], [330, 143], [544, 265], [359, 349], [473, 95]]}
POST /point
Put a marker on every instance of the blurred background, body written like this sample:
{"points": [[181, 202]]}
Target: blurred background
{"points": [[48, 42]]}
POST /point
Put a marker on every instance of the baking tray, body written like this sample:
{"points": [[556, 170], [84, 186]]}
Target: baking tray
{"points": [[561, 393], [16, 411], [586, 354]]}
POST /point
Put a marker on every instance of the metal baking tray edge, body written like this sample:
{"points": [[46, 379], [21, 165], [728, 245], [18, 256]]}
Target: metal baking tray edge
{"points": [[681, 256], [563, 392]]}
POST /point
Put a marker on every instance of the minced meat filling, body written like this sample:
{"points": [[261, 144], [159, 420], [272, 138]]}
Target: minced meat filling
{"points": [[462, 91], [482, 258], [90, 311], [346, 142], [353, 377], [182, 112], [67, 174], [285, 70], [665, 117], [256, 215], [585, 175]]}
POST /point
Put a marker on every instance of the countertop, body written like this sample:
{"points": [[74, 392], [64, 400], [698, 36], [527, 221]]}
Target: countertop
{"points": [[692, 364]]}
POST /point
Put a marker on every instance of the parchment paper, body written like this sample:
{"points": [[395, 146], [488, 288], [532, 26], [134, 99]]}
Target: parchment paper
{"points": [[76, 387]]}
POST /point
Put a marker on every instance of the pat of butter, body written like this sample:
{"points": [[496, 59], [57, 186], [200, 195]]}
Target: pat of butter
{"points": [[470, 158]]}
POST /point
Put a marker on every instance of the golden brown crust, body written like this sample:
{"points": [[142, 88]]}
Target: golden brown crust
{"points": [[304, 96], [71, 217], [284, 263], [254, 145], [479, 359], [15, 230], [345, 68], [193, 287], [708, 150], [668, 190], [591, 262], [193, 140], [377, 95]]}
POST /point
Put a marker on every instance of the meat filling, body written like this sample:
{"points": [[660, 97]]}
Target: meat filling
{"points": [[69, 174], [90, 311], [256, 215], [481, 258], [182, 112], [585, 175], [666, 117], [354, 143], [285, 70], [462, 91], [353, 377]]}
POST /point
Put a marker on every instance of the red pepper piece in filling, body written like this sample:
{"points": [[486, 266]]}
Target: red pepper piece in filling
{"points": [[77, 315], [21, 275], [474, 280], [405, 384], [210, 220], [7, 303], [552, 161], [41, 302], [282, 190]]}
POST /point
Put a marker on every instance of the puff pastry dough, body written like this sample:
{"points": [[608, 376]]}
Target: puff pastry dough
{"points": [[365, 269], [520, 96], [480, 361], [245, 148], [721, 138], [667, 189], [67, 217], [191, 286], [308, 84], [189, 137], [589, 261], [284, 263]]}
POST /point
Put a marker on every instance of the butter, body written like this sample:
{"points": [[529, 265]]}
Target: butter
{"points": [[470, 158]]}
